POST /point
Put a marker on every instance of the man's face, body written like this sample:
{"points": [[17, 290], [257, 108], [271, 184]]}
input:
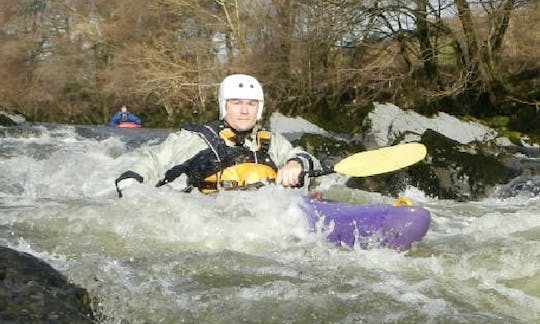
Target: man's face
{"points": [[241, 113]]}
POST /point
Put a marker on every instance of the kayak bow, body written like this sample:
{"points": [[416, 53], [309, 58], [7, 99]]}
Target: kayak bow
{"points": [[368, 226]]}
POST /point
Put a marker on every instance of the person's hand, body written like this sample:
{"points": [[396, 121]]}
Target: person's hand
{"points": [[123, 184], [172, 174], [289, 174], [125, 180]]}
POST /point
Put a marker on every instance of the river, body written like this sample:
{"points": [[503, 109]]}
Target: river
{"points": [[162, 256]]}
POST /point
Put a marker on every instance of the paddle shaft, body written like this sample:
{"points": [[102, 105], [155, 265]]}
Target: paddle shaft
{"points": [[361, 164], [319, 173]]}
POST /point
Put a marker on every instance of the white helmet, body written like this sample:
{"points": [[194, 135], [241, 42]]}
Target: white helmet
{"points": [[240, 86]]}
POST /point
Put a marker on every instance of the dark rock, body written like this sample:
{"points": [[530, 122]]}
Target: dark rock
{"points": [[451, 170], [464, 171], [31, 291], [8, 120], [328, 150]]}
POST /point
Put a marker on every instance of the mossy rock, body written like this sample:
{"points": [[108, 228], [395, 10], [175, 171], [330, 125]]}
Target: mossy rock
{"points": [[392, 184], [450, 171], [476, 172]]}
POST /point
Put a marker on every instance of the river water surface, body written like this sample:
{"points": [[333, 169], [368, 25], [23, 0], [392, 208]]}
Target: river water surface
{"points": [[162, 256]]}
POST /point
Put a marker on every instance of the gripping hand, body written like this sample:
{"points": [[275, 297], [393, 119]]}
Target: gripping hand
{"points": [[172, 174], [126, 179]]}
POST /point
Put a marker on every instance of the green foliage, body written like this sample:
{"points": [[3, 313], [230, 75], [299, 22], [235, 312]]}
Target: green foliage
{"points": [[340, 118], [432, 107], [447, 55], [497, 122], [72, 87], [526, 119]]}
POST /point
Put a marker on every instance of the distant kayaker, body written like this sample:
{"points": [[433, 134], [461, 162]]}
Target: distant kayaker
{"points": [[233, 152], [124, 116]]}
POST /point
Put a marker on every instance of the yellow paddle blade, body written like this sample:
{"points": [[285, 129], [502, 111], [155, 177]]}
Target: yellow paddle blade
{"points": [[386, 159]]}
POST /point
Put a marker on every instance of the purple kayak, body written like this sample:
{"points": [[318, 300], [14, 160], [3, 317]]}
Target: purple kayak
{"points": [[368, 226]]}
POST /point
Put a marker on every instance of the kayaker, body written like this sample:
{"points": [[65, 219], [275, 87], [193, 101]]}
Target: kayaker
{"points": [[233, 152], [124, 116]]}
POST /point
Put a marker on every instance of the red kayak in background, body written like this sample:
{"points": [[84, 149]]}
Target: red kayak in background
{"points": [[128, 125]]}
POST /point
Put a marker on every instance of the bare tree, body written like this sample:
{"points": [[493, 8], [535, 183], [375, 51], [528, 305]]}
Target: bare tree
{"points": [[316, 57]]}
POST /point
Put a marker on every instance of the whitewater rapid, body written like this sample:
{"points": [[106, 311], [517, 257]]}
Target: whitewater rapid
{"points": [[163, 256]]}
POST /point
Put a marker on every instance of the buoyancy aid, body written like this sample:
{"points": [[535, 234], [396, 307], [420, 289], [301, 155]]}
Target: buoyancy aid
{"points": [[227, 163]]}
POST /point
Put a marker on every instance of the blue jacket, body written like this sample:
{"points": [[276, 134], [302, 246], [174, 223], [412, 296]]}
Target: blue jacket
{"points": [[124, 117]]}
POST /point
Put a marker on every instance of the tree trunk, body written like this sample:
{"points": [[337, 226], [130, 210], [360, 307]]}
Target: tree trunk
{"points": [[498, 26], [423, 34], [286, 15], [477, 83], [471, 50], [482, 69]]}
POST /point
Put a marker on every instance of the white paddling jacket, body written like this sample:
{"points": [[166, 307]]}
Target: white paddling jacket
{"points": [[206, 150]]}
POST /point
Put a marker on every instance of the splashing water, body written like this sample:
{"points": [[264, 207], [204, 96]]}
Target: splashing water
{"points": [[159, 255]]}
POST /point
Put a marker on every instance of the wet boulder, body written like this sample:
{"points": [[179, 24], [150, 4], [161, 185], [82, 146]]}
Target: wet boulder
{"points": [[31, 291], [460, 171], [524, 186], [329, 150], [465, 160], [451, 170], [7, 119]]}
